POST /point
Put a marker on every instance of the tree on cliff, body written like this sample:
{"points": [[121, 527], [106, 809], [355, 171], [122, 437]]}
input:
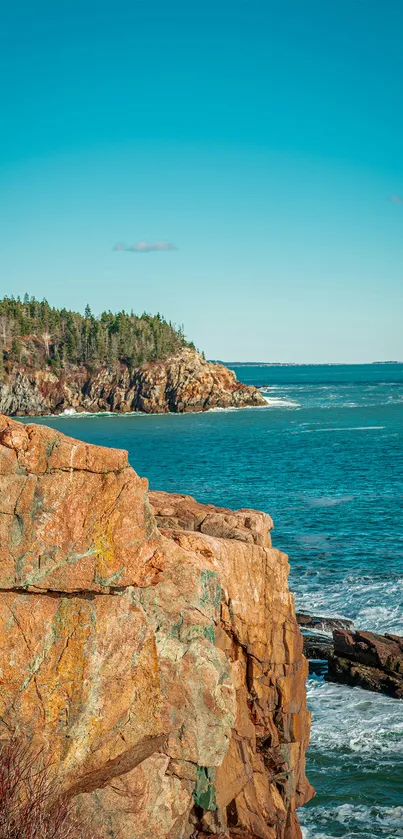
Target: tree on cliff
{"points": [[34, 333]]}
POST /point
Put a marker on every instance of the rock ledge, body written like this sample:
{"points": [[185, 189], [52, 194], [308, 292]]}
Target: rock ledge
{"points": [[373, 662]]}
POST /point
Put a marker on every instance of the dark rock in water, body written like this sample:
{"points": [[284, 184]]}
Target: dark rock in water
{"points": [[346, 672], [316, 647], [318, 668], [322, 624], [373, 662]]}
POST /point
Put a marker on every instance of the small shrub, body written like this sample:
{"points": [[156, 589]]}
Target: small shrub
{"points": [[29, 805]]}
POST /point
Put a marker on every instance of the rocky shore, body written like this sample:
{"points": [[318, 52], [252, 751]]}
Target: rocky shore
{"points": [[149, 646], [181, 383], [364, 659], [373, 662]]}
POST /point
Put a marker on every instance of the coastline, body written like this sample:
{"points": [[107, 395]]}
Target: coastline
{"points": [[182, 383], [264, 460], [276, 404]]}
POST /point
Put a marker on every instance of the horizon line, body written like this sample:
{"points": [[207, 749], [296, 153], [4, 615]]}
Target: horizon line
{"points": [[301, 363]]}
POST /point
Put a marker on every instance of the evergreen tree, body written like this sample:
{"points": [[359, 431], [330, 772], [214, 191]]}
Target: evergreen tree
{"points": [[35, 333]]}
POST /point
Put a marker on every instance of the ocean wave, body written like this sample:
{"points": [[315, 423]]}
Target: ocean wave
{"points": [[353, 732], [333, 396], [354, 723], [224, 410], [71, 414], [344, 428], [278, 402], [370, 822], [373, 604]]}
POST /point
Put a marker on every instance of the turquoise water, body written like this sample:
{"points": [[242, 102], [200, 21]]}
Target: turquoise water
{"points": [[325, 459]]}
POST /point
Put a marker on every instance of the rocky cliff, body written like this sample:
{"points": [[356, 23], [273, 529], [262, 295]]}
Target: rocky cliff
{"points": [[149, 643], [183, 382]]}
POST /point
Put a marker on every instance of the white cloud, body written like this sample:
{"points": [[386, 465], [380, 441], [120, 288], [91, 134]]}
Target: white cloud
{"points": [[145, 247]]}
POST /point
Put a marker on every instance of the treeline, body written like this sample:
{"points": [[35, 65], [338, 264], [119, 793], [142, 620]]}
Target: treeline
{"points": [[35, 334]]}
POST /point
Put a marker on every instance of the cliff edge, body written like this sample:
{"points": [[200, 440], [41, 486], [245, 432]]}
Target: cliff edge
{"points": [[149, 644], [182, 382]]}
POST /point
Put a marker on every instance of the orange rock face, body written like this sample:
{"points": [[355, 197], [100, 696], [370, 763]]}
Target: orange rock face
{"points": [[187, 382], [149, 643]]}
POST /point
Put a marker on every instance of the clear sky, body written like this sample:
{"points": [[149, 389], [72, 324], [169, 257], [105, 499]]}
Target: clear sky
{"points": [[261, 138]]}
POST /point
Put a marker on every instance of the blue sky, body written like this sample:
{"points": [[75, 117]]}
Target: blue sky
{"points": [[262, 139]]}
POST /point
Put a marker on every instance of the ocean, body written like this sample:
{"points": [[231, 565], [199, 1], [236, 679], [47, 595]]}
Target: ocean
{"points": [[325, 458]]}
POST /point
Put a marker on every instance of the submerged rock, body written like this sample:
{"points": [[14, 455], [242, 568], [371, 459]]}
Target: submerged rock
{"points": [[156, 659], [374, 662], [180, 383]]}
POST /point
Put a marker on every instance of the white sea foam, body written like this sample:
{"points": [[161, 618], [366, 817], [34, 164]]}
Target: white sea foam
{"points": [[373, 604], [278, 402], [313, 834], [221, 410], [369, 822], [71, 413], [355, 722], [338, 395], [346, 428], [354, 729], [225, 410]]}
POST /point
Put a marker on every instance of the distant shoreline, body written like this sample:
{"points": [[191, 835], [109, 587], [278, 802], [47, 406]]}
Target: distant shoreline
{"points": [[300, 364]]}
